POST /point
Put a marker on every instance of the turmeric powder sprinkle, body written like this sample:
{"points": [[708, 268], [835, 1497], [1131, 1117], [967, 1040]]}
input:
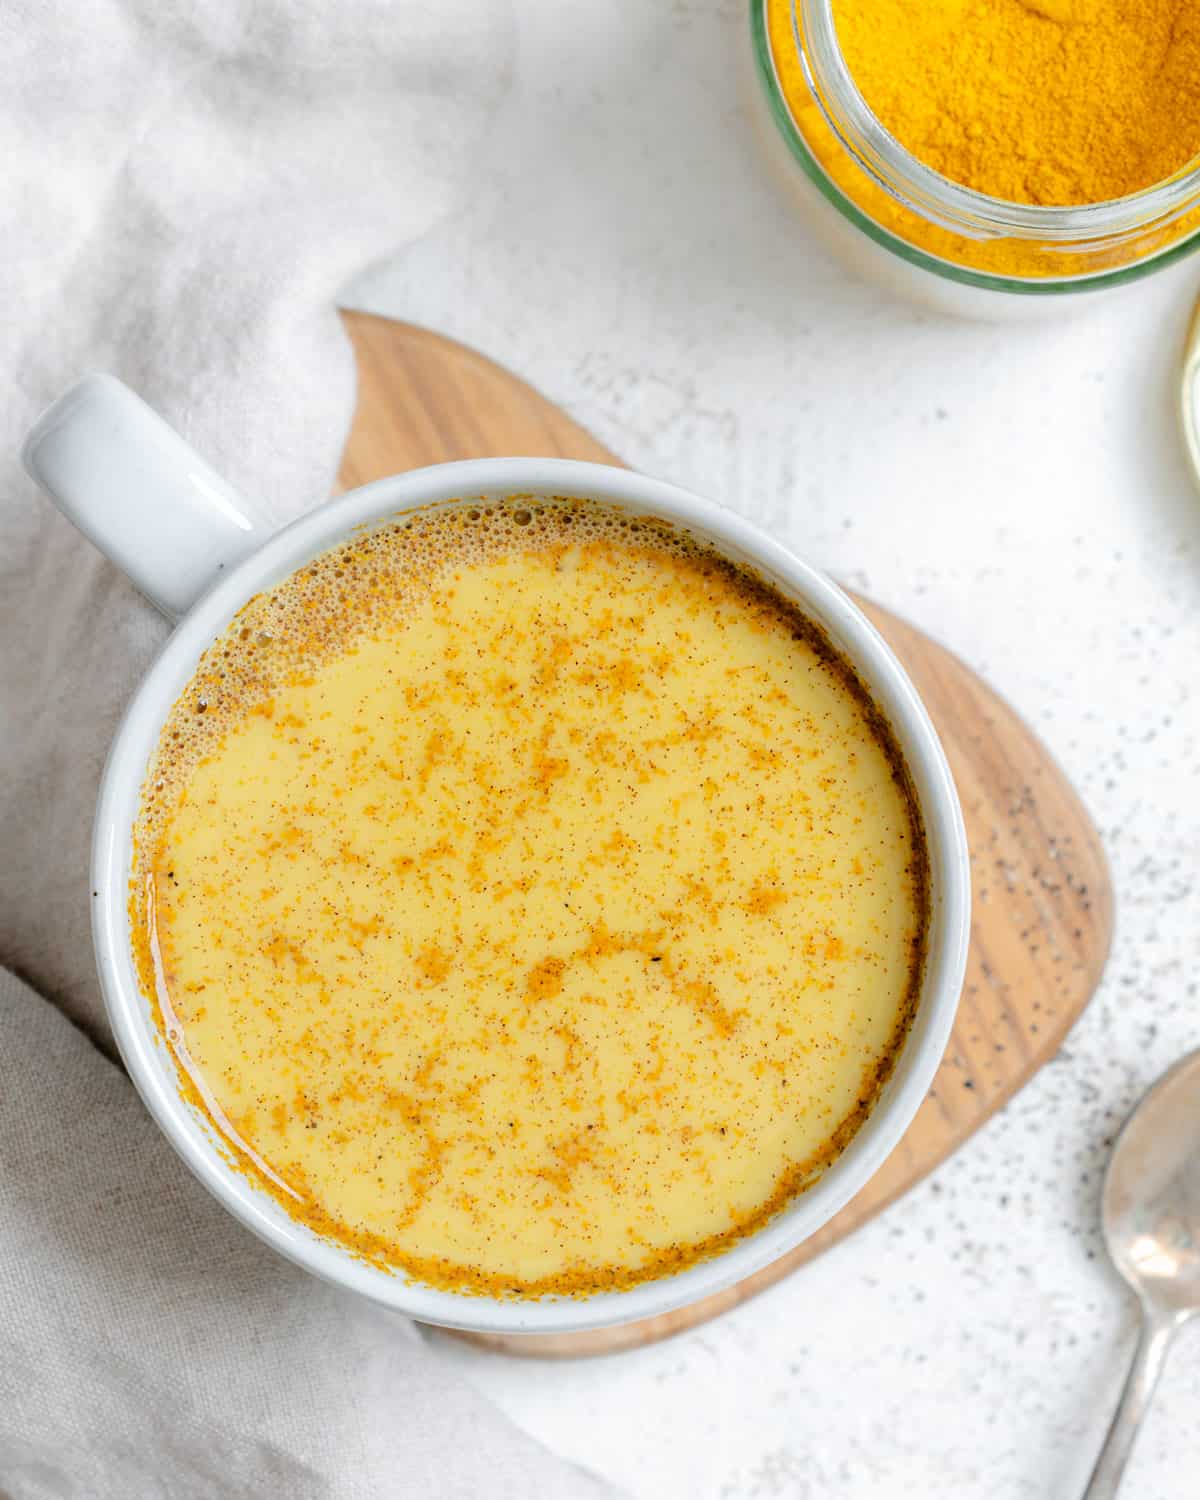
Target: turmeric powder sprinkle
{"points": [[538, 903]]}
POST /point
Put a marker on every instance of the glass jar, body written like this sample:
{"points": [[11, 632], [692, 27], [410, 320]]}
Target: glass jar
{"points": [[899, 220]]}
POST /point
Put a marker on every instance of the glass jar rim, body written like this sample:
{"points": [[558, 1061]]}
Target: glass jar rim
{"points": [[928, 192]]}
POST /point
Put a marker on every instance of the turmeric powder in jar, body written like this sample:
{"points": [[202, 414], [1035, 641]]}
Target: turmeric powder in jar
{"points": [[1027, 146], [1053, 102]]}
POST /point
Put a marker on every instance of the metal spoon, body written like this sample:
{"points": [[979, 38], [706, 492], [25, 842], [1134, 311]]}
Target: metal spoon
{"points": [[1151, 1216]]}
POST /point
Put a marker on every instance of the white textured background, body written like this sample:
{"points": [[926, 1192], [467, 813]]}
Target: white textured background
{"points": [[1020, 493]]}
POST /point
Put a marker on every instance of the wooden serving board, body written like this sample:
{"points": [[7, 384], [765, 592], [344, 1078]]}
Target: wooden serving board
{"points": [[1043, 906]]}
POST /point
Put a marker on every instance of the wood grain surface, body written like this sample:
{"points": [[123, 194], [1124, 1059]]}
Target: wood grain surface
{"points": [[1043, 908]]}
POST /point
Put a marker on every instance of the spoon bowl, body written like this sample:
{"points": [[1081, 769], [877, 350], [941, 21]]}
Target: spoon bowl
{"points": [[1151, 1203], [1151, 1216]]}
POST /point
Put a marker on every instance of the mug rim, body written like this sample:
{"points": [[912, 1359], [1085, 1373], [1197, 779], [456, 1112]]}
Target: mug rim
{"points": [[153, 1069]]}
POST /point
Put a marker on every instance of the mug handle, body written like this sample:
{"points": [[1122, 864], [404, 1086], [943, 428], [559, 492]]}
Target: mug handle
{"points": [[132, 485]]}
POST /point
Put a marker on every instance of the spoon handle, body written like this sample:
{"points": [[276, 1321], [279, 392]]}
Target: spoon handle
{"points": [[1153, 1343]]}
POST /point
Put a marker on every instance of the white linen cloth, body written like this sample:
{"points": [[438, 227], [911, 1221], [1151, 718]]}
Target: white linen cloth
{"points": [[185, 188]]}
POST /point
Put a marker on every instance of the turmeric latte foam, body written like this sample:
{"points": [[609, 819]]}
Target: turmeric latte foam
{"points": [[533, 900]]}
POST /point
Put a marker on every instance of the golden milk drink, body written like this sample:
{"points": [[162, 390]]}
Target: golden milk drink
{"points": [[534, 900]]}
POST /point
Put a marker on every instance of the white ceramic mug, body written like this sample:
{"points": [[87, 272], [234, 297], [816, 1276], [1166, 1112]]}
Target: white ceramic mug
{"points": [[197, 551]]}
